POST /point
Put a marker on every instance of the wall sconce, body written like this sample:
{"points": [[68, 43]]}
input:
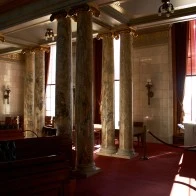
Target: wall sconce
{"points": [[49, 34], [150, 93], [7, 94]]}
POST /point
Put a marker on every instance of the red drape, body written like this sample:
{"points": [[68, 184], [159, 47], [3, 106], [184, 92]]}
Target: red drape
{"points": [[97, 47], [47, 60], [180, 50], [191, 63]]}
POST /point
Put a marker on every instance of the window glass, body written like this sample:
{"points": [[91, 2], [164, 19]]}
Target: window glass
{"points": [[50, 87], [117, 80]]}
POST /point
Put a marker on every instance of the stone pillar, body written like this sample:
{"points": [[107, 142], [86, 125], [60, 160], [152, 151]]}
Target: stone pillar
{"points": [[107, 97], [63, 103], [85, 165], [126, 108], [29, 80], [39, 103]]}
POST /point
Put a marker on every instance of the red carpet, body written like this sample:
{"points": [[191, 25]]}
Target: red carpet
{"points": [[158, 176]]}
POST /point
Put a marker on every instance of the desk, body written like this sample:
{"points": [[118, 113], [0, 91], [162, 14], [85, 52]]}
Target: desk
{"points": [[190, 134], [97, 133], [138, 131]]}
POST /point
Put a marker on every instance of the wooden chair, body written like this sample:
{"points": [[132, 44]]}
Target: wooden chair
{"points": [[138, 131]]}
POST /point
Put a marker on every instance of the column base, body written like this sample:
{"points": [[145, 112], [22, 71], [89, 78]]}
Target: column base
{"points": [[126, 154], [85, 172], [107, 151]]}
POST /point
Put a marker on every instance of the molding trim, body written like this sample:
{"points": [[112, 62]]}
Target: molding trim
{"points": [[155, 20], [116, 33]]}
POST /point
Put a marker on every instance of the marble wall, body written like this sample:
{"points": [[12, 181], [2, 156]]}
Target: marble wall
{"points": [[152, 60], [11, 74]]}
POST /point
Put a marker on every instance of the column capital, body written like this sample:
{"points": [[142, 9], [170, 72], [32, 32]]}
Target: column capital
{"points": [[35, 49], [129, 30], [83, 8], [58, 15], [41, 48], [116, 33], [102, 35]]}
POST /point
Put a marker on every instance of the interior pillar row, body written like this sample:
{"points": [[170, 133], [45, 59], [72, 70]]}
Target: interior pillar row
{"points": [[125, 147], [126, 96], [34, 91]]}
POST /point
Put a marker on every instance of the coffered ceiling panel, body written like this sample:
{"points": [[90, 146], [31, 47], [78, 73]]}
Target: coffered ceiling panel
{"points": [[23, 23]]}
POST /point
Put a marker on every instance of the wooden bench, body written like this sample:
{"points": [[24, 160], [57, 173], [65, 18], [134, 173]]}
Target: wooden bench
{"points": [[11, 134], [42, 167]]}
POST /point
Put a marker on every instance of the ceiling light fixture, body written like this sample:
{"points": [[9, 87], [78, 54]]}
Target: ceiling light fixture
{"points": [[166, 8], [49, 34]]}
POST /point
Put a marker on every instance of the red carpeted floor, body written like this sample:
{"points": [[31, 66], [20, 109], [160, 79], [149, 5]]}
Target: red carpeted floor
{"points": [[168, 172]]}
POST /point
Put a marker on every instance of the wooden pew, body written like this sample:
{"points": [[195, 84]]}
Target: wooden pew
{"points": [[11, 134], [42, 167]]}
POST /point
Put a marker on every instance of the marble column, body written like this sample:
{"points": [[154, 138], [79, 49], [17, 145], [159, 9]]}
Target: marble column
{"points": [[29, 80], [39, 103], [126, 108], [107, 97], [85, 165], [63, 103]]}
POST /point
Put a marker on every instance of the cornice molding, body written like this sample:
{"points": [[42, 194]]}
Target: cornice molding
{"points": [[155, 20], [116, 33]]}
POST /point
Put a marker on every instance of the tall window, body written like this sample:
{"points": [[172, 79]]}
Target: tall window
{"points": [[189, 102], [117, 80], [50, 87]]}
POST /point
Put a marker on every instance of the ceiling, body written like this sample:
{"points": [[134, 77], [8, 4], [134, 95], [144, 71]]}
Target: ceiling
{"points": [[23, 23]]}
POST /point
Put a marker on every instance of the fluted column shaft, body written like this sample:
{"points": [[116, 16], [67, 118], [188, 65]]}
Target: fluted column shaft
{"points": [[39, 104], [107, 97], [29, 80], [63, 107], [126, 108]]}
